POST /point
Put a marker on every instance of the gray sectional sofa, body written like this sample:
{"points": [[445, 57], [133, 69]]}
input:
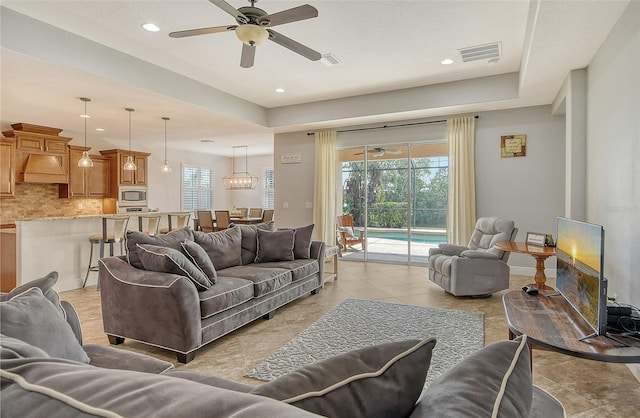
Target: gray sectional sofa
{"points": [[46, 371], [185, 289]]}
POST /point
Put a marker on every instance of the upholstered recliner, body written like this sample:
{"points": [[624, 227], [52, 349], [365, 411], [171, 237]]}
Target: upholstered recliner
{"points": [[478, 269]]}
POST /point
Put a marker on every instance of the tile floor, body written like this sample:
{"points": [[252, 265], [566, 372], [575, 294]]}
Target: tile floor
{"points": [[586, 388]]}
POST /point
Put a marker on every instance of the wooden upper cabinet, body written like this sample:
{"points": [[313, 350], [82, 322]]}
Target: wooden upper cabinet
{"points": [[7, 167], [86, 181], [41, 154], [120, 176]]}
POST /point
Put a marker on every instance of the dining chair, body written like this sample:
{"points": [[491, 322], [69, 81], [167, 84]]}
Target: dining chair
{"points": [[243, 212], [267, 215], [206, 221], [255, 213], [223, 219]]}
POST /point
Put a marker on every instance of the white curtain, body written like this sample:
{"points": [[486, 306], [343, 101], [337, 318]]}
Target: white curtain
{"points": [[461, 212], [324, 201]]}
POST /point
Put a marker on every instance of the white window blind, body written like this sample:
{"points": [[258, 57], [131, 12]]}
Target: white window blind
{"points": [[197, 188], [268, 201]]}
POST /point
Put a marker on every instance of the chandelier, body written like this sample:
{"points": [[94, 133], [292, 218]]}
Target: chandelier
{"points": [[240, 180]]}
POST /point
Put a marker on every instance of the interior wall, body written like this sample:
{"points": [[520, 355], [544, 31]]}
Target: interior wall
{"points": [[528, 189], [613, 153]]}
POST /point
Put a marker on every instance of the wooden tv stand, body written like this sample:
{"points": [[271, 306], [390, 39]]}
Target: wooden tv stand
{"points": [[551, 323]]}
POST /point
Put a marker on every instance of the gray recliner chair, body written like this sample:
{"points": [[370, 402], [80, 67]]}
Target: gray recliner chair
{"points": [[478, 269]]}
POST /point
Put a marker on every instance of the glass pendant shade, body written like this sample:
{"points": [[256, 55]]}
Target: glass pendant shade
{"points": [[250, 34], [129, 165], [166, 168], [240, 180], [85, 160]]}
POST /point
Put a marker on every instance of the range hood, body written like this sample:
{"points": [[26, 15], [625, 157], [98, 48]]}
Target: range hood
{"points": [[43, 168]]}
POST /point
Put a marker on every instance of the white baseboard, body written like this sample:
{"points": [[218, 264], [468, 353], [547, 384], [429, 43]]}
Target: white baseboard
{"points": [[635, 369], [531, 271]]}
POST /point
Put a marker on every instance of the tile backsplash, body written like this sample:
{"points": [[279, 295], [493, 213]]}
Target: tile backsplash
{"points": [[41, 200]]}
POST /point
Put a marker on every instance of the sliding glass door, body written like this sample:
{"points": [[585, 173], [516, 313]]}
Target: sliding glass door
{"points": [[397, 197]]}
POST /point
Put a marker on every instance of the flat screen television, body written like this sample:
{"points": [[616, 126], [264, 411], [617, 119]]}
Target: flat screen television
{"points": [[580, 271]]}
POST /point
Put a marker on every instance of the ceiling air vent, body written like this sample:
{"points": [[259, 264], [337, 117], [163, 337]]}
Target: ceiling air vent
{"points": [[481, 52]]}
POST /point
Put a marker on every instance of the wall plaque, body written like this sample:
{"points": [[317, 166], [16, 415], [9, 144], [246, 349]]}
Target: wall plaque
{"points": [[513, 146]]}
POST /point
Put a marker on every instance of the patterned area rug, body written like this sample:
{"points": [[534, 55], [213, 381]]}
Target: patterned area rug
{"points": [[358, 323]]}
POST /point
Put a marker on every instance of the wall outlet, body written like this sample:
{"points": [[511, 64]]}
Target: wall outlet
{"points": [[285, 205], [308, 205]]}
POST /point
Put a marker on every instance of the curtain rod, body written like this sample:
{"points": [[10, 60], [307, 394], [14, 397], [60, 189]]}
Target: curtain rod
{"points": [[391, 126]]}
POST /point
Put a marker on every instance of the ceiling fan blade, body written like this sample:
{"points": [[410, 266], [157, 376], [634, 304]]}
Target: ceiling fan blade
{"points": [[231, 10], [201, 31], [248, 56], [294, 46], [393, 151], [290, 15]]}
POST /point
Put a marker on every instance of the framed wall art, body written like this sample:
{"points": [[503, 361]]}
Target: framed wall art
{"points": [[513, 146]]}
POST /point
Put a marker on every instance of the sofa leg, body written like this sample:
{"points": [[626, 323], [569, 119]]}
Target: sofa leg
{"points": [[269, 315], [314, 291], [115, 340], [185, 358]]}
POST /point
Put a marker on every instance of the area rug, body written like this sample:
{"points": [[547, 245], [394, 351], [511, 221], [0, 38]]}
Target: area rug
{"points": [[359, 323]]}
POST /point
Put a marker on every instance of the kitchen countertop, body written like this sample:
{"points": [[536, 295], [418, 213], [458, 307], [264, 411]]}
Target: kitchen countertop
{"points": [[58, 218]]}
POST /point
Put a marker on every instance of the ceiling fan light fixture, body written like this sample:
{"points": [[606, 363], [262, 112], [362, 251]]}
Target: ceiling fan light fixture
{"points": [[250, 34]]}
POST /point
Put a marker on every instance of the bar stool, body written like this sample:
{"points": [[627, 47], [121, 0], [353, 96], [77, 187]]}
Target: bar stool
{"points": [[181, 220], [153, 224], [113, 230]]}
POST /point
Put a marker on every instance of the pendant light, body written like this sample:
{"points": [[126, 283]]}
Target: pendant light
{"points": [[240, 180], [85, 160], [129, 165], [166, 168]]}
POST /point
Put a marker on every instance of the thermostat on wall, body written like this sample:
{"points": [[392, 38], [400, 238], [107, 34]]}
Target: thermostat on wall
{"points": [[291, 158]]}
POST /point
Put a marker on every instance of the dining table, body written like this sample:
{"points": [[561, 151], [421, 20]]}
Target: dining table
{"points": [[245, 220]]}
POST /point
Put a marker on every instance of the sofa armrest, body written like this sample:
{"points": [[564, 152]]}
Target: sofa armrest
{"points": [[72, 319], [162, 309], [209, 380], [317, 253], [452, 249], [115, 358], [479, 254]]}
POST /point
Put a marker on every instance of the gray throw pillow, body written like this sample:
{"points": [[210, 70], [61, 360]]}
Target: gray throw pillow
{"points": [[379, 381], [170, 240], [302, 241], [275, 246], [503, 373], [250, 239], [200, 258], [168, 260], [15, 348], [30, 317], [223, 247], [45, 284]]}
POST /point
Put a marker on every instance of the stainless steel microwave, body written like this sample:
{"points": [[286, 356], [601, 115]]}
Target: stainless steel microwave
{"points": [[132, 196]]}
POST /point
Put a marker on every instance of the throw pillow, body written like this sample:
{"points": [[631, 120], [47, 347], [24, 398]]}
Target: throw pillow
{"points": [[15, 348], [170, 240], [275, 246], [250, 239], [348, 231], [30, 317], [380, 381], [200, 258], [302, 241], [45, 284], [502, 370], [223, 247], [168, 260]]}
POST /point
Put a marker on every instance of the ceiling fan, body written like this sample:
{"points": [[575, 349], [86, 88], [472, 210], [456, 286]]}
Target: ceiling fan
{"points": [[379, 151], [251, 29]]}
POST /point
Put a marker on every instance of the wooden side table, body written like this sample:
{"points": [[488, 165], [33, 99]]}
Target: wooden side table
{"points": [[538, 252], [331, 252]]}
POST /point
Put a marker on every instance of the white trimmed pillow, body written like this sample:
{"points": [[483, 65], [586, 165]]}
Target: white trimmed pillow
{"points": [[168, 260]]}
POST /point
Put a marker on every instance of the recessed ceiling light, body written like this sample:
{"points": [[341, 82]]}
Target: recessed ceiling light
{"points": [[150, 27], [100, 129], [279, 90], [207, 140], [446, 61], [85, 116]]}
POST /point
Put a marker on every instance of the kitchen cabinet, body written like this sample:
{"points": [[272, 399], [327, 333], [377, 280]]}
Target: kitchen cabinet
{"points": [[8, 265], [41, 155], [7, 167], [119, 176], [87, 182]]}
